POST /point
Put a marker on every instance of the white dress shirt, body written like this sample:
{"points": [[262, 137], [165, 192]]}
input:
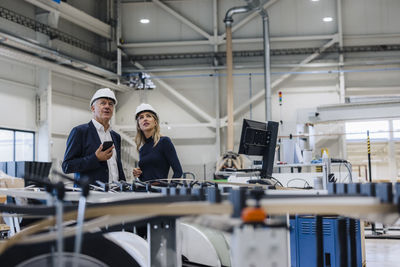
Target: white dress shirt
{"points": [[112, 162]]}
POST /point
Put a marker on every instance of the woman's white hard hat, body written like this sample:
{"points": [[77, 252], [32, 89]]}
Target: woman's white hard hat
{"points": [[103, 93], [144, 107]]}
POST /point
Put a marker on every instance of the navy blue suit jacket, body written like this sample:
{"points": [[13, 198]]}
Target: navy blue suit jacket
{"points": [[80, 157]]}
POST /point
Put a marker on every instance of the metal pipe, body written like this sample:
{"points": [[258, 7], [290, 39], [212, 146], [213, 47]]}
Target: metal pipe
{"points": [[267, 65], [229, 88], [228, 20]]}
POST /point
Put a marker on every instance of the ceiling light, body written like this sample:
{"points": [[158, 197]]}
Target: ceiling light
{"points": [[314, 0], [144, 21], [327, 19]]}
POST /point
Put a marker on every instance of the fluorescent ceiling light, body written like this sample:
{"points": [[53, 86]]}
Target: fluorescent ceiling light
{"points": [[314, 0], [327, 19], [144, 21]]}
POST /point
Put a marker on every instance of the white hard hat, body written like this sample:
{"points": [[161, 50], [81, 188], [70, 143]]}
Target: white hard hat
{"points": [[103, 93], [144, 107]]}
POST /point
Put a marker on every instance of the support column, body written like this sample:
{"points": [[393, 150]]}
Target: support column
{"points": [[43, 119], [342, 84], [217, 117], [216, 85], [44, 95], [118, 39], [392, 154]]}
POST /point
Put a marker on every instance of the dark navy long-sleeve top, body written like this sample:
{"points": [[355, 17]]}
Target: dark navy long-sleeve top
{"points": [[156, 161]]}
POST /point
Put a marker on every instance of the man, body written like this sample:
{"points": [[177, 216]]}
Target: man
{"points": [[84, 155]]}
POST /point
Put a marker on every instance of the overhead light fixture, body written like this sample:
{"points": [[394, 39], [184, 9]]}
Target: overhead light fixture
{"points": [[314, 0], [144, 21], [327, 19]]}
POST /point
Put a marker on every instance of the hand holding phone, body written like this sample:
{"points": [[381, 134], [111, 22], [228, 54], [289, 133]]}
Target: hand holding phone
{"points": [[101, 154], [107, 145]]}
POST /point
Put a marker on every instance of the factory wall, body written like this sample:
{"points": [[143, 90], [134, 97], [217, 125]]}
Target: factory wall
{"points": [[195, 145], [17, 94]]}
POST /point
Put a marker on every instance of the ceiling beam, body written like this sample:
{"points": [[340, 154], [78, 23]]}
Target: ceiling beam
{"points": [[356, 111], [75, 16], [243, 40], [165, 44], [260, 94], [49, 53], [187, 103], [36, 61], [183, 19]]}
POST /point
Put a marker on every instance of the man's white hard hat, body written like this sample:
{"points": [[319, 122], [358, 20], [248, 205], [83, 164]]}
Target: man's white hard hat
{"points": [[103, 93], [144, 107]]}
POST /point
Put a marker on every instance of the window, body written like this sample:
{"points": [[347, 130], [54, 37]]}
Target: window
{"points": [[6, 145], [396, 129], [17, 145], [358, 130]]}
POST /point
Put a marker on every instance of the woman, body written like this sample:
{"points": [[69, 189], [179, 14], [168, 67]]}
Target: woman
{"points": [[156, 153]]}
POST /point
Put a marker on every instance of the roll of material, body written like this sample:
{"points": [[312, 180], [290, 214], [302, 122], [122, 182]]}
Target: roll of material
{"points": [[205, 246]]}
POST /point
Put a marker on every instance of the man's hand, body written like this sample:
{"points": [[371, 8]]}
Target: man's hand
{"points": [[104, 155], [137, 172]]}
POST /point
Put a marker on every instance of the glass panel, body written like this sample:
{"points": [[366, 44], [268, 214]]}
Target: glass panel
{"points": [[23, 146], [6, 145], [358, 130], [396, 128]]}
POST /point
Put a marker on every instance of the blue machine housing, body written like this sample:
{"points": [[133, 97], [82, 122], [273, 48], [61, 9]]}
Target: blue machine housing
{"points": [[303, 243]]}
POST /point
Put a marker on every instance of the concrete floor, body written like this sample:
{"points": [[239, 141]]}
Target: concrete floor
{"points": [[382, 252]]}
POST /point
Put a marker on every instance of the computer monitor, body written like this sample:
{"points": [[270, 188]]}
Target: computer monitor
{"points": [[259, 139]]}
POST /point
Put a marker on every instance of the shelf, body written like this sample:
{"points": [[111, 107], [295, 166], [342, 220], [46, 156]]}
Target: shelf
{"points": [[298, 165], [303, 165]]}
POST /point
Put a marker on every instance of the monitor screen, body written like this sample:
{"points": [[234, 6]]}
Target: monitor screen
{"points": [[259, 139]]}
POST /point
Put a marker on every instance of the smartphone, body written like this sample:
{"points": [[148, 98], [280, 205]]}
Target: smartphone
{"points": [[107, 145]]}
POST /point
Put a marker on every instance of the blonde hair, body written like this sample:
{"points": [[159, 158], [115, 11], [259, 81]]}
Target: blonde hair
{"points": [[140, 139]]}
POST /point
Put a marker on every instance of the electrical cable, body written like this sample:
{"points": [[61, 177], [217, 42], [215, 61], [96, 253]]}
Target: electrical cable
{"points": [[276, 181], [306, 184]]}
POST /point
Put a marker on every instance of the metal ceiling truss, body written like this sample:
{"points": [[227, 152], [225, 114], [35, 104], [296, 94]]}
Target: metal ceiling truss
{"points": [[187, 103], [53, 33], [50, 54], [183, 19], [274, 52], [15, 54], [214, 39], [260, 95], [75, 16], [355, 111]]}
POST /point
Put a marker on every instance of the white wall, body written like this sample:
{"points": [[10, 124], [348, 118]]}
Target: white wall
{"points": [[70, 107], [17, 93], [195, 146]]}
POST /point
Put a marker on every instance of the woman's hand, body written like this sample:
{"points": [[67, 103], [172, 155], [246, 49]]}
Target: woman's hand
{"points": [[137, 172]]}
